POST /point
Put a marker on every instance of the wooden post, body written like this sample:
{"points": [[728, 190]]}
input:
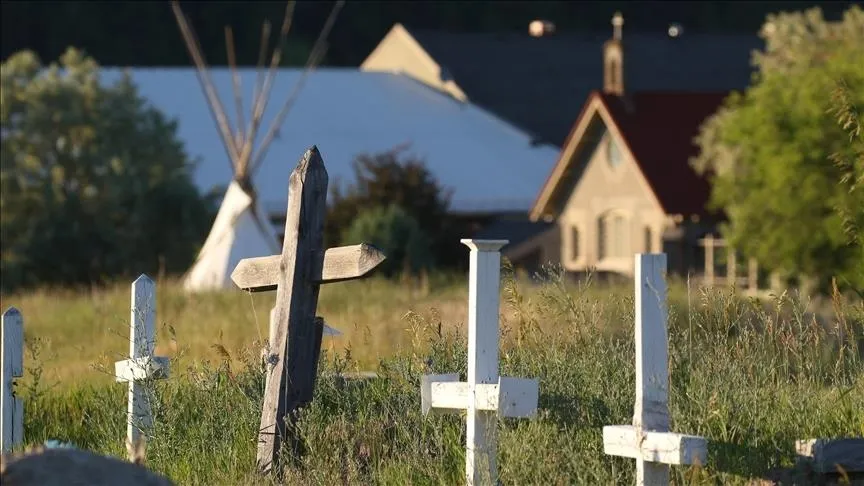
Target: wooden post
{"points": [[142, 365], [753, 276], [11, 407], [709, 259], [268, 353], [296, 332], [483, 293], [485, 394], [731, 267], [648, 440]]}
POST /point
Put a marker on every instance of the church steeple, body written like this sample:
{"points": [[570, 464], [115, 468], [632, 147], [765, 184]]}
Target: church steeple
{"points": [[613, 59]]}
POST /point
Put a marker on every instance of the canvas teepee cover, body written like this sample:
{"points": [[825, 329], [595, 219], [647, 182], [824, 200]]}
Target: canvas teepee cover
{"points": [[238, 232]]}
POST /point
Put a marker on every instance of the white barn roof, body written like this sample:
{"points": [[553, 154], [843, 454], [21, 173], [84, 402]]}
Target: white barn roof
{"points": [[488, 164]]}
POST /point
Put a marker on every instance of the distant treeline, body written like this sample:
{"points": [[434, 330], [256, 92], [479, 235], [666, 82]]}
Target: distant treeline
{"points": [[144, 33]]}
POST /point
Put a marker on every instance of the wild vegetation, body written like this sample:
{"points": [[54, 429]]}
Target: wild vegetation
{"points": [[750, 377], [770, 149], [89, 172]]}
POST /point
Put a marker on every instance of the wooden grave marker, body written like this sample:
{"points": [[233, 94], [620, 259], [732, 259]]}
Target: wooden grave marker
{"points": [[648, 440], [142, 365], [11, 406], [485, 394], [296, 275]]}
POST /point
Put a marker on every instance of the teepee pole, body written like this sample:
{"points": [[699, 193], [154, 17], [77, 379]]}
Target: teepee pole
{"points": [[231, 53], [259, 103], [216, 109], [315, 56]]}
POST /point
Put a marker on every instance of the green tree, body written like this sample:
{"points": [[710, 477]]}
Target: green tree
{"points": [[385, 179], [94, 183], [767, 150], [396, 233]]}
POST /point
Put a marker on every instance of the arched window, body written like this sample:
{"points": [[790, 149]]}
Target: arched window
{"points": [[613, 239], [574, 243]]}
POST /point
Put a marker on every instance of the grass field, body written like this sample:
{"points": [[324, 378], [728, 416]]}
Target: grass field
{"points": [[750, 377]]}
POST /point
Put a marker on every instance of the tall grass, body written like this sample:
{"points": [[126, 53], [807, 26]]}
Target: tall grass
{"points": [[750, 377]]}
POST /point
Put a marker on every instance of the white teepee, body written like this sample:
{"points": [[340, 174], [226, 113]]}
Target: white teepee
{"points": [[240, 229], [238, 232]]}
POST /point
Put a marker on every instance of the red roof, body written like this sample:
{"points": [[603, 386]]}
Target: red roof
{"points": [[659, 128]]}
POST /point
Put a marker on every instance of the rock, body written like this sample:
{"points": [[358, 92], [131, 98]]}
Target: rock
{"points": [[73, 467]]}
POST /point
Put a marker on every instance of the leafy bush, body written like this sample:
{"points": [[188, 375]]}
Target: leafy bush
{"points": [[94, 182], [396, 233], [386, 179]]}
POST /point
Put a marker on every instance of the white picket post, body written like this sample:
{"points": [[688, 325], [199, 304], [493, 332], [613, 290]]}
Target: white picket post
{"points": [[141, 365], [485, 394], [483, 288], [648, 440], [11, 407]]}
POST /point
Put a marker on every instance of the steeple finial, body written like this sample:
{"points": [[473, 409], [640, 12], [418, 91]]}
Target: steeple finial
{"points": [[617, 24]]}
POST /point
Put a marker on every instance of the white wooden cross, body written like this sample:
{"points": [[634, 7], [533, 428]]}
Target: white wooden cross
{"points": [[141, 365], [648, 440], [485, 394], [11, 407]]}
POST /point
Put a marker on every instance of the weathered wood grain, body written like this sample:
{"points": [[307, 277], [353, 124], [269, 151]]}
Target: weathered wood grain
{"points": [[484, 395], [291, 379], [11, 406], [648, 439], [651, 411], [656, 447], [261, 274], [142, 364]]}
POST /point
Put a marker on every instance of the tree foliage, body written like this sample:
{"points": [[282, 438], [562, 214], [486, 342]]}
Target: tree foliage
{"points": [[851, 165], [385, 179], [396, 233], [93, 182], [769, 149]]}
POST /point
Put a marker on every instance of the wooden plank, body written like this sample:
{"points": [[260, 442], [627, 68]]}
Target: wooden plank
{"points": [[651, 411], [832, 455], [510, 397], [517, 397], [426, 382], [11, 407], [484, 281], [656, 447], [138, 369], [142, 341], [291, 379], [261, 274]]}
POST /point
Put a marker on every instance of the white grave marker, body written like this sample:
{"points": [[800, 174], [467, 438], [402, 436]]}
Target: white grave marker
{"points": [[648, 440], [141, 365], [11, 407], [485, 394]]}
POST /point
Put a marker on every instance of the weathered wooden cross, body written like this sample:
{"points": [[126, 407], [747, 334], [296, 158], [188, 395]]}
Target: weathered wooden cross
{"points": [[296, 275], [141, 365], [11, 406], [485, 393], [648, 440]]}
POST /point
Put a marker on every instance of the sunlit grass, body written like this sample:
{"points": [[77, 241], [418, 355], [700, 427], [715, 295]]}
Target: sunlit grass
{"points": [[750, 377]]}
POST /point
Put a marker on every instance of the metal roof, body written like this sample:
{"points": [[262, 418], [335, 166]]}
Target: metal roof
{"points": [[485, 161]]}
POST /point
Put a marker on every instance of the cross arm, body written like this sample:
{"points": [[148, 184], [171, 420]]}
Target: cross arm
{"points": [[342, 263], [659, 447], [510, 397], [136, 369]]}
